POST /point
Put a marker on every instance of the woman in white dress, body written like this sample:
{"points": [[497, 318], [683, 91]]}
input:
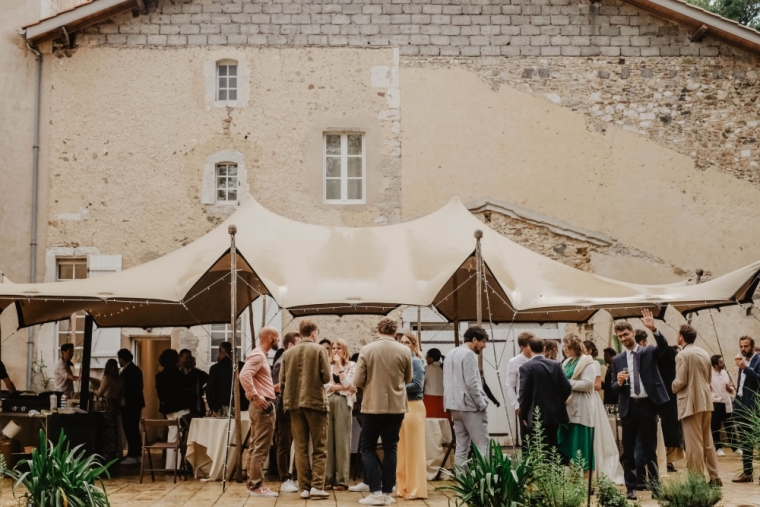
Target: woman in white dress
{"points": [[605, 446]]}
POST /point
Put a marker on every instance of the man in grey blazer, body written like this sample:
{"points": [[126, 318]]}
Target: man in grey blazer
{"points": [[463, 394]]}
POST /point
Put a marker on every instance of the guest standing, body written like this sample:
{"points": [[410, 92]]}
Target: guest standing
{"points": [[175, 399], [640, 391], [692, 388], [112, 391], [464, 395], [746, 395], [219, 384], [327, 344], [513, 370], [134, 401], [64, 371], [256, 379], [196, 382], [610, 396], [411, 472], [434, 385], [543, 384], [340, 397], [576, 436], [551, 350], [722, 389], [283, 434], [305, 370], [383, 371]]}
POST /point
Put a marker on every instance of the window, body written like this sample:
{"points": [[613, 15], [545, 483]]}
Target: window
{"points": [[344, 168], [226, 80], [226, 182], [223, 333], [72, 329]]}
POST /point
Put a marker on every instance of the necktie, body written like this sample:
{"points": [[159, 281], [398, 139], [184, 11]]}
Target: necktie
{"points": [[636, 381]]}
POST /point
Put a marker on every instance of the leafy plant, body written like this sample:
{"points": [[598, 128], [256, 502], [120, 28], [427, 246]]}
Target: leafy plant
{"points": [[554, 485], [39, 373], [493, 480], [608, 495], [746, 12], [61, 477], [691, 491], [747, 421]]}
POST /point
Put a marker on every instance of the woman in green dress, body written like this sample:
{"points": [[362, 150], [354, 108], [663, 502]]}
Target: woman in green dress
{"points": [[578, 435]]}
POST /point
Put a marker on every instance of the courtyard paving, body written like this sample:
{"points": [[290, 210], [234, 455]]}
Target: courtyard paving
{"points": [[124, 490]]}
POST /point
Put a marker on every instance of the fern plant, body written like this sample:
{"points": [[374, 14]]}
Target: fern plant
{"points": [[691, 491], [61, 477], [493, 480], [608, 494], [553, 484]]}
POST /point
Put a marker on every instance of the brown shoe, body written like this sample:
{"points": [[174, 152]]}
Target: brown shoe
{"points": [[341, 487], [328, 487], [743, 478], [716, 483]]}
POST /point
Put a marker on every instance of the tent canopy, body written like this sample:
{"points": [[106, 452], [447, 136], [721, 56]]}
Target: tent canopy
{"points": [[313, 270]]}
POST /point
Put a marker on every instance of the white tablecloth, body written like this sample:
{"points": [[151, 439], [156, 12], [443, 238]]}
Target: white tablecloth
{"points": [[206, 443], [437, 437]]}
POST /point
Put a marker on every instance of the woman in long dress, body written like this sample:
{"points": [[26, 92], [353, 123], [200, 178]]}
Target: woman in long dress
{"points": [[605, 445], [340, 398], [577, 437], [434, 385], [411, 468]]}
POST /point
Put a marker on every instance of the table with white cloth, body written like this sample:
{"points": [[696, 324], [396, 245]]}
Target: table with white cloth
{"points": [[437, 438], [207, 442]]}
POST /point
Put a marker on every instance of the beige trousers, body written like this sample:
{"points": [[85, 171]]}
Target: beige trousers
{"points": [[262, 431], [700, 450]]}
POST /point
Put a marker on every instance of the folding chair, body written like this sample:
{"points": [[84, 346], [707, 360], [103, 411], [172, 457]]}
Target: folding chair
{"points": [[176, 446], [451, 447]]}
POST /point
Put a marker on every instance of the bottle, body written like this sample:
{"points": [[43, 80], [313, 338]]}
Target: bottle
{"points": [[63, 401], [53, 403]]}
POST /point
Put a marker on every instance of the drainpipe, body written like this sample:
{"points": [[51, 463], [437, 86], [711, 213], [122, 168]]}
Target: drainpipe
{"points": [[35, 184]]}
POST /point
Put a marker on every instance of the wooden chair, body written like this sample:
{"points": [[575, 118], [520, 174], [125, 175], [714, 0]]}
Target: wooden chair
{"points": [[175, 445]]}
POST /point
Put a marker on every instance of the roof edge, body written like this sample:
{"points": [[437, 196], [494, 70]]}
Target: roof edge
{"points": [[75, 19]]}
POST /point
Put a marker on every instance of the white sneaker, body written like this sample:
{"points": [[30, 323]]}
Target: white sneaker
{"points": [[129, 461], [375, 499], [720, 453], [739, 452], [319, 493], [263, 493], [361, 487], [305, 494], [390, 500], [288, 487]]}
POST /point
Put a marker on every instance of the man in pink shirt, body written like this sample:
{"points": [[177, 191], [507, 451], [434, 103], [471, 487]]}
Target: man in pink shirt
{"points": [[256, 379]]}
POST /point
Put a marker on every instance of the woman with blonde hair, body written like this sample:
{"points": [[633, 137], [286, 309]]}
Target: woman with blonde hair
{"points": [[578, 434], [411, 468], [341, 395]]}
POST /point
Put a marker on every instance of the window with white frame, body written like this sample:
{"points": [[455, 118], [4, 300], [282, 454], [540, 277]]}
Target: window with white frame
{"points": [[344, 168], [226, 182], [71, 330], [226, 80], [223, 333]]}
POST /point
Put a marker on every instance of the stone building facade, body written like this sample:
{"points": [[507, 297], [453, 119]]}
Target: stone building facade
{"points": [[601, 135]]}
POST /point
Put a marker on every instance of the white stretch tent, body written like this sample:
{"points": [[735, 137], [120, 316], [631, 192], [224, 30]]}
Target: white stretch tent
{"points": [[313, 269]]}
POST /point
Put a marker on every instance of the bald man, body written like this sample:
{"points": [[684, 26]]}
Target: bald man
{"points": [[256, 379]]}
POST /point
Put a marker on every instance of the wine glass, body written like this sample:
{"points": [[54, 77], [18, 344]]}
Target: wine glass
{"points": [[627, 382]]}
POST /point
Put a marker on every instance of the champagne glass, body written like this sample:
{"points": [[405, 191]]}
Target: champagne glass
{"points": [[627, 375]]}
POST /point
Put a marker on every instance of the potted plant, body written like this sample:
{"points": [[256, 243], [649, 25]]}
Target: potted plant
{"points": [[58, 476]]}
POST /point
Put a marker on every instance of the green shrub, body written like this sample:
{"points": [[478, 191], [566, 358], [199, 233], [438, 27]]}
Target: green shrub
{"points": [[691, 491], [493, 480], [608, 495], [747, 422], [553, 484], [61, 477]]}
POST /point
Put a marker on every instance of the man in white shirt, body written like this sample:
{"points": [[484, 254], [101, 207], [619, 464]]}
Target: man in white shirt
{"points": [[513, 371], [746, 397]]}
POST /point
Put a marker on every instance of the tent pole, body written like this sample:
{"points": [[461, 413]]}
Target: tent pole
{"points": [[478, 291], [84, 383], [455, 296], [419, 326]]}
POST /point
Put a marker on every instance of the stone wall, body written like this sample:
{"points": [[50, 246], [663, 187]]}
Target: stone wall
{"points": [[417, 27]]}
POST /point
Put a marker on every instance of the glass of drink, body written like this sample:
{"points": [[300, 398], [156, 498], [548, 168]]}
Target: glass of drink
{"points": [[627, 375]]}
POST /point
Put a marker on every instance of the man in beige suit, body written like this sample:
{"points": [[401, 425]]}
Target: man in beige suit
{"points": [[383, 371], [692, 388]]}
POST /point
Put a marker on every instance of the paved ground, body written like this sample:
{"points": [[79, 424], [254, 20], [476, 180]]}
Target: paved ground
{"points": [[125, 491]]}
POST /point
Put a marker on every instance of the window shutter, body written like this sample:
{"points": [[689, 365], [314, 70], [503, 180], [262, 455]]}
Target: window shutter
{"points": [[209, 187], [106, 342]]}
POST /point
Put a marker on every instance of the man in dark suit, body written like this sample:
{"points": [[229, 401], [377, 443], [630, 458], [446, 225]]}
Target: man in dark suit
{"points": [[543, 384], [610, 396], [640, 392], [746, 398], [134, 402]]}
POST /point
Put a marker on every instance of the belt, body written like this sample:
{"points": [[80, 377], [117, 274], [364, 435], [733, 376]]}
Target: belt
{"points": [[645, 398]]}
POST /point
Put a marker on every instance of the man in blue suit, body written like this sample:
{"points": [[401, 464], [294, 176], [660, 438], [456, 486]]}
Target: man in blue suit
{"points": [[640, 391], [746, 397]]}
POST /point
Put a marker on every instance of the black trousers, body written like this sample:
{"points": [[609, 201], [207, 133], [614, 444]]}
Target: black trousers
{"points": [[130, 421], [639, 422], [387, 427], [720, 418]]}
